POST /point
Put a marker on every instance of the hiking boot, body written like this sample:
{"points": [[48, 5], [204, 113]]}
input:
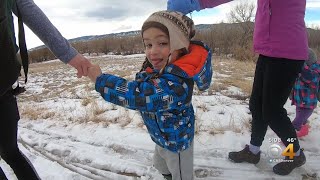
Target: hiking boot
{"points": [[304, 130], [244, 155], [167, 176], [285, 167]]}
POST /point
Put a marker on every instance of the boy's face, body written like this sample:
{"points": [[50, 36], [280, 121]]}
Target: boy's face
{"points": [[157, 46]]}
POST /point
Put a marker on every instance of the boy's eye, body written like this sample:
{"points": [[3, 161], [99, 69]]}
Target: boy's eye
{"points": [[148, 45], [160, 44], [163, 43]]}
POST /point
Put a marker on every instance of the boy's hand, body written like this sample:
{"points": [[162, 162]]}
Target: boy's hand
{"points": [[93, 72]]}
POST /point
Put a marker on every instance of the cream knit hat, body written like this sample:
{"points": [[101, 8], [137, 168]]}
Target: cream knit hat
{"points": [[180, 27]]}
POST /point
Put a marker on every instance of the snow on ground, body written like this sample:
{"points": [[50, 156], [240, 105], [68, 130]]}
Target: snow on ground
{"points": [[69, 133]]}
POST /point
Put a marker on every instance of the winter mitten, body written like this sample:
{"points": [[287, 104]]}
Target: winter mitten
{"points": [[183, 6]]}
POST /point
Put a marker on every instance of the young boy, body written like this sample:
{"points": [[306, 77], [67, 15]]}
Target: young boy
{"points": [[162, 90]]}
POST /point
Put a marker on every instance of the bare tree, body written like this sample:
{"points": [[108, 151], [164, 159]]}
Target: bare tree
{"points": [[243, 14]]}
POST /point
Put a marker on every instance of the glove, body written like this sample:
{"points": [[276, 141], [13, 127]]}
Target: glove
{"points": [[183, 6]]}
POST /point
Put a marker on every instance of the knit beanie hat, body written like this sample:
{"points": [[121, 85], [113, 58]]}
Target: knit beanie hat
{"points": [[312, 58], [179, 27]]}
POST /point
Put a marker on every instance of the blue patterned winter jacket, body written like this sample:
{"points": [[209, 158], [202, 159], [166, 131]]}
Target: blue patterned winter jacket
{"points": [[165, 101], [306, 88]]}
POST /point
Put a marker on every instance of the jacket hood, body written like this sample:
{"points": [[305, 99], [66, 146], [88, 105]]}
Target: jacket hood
{"points": [[196, 64]]}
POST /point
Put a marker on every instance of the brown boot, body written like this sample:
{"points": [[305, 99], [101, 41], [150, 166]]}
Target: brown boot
{"points": [[244, 155], [285, 167]]}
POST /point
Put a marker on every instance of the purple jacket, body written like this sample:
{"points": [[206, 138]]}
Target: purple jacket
{"points": [[279, 27]]}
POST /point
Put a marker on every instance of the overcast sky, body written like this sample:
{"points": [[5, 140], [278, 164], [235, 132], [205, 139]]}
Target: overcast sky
{"points": [[75, 18]]}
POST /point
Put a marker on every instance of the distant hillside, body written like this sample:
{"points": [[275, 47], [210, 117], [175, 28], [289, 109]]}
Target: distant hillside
{"points": [[129, 33], [95, 37], [230, 39], [121, 34], [199, 27]]}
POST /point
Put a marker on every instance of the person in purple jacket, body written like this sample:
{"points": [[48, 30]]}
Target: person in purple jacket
{"points": [[280, 39], [305, 94]]}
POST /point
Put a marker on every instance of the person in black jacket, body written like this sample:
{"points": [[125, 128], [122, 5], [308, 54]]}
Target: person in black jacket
{"points": [[9, 113]]}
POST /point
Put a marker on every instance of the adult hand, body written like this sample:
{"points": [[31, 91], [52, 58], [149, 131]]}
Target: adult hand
{"points": [[93, 72], [81, 64], [183, 6]]}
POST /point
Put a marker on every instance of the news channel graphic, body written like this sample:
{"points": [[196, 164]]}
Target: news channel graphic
{"points": [[277, 154]]}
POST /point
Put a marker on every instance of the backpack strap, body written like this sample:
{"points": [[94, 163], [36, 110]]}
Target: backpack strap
{"points": [[2, 8], [23, 46], [9, 65]]}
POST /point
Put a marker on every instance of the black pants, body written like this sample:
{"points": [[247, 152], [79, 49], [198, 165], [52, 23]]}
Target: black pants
{"points": [[9, 151], [273, 81]]}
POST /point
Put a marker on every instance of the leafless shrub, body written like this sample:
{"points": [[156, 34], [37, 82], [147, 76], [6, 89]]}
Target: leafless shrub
{"points": [[86, 101], [90, 117], [222, 111], [30, 113], [140, 124], [48, 115], [245, 124], [238, 96], [244, 54], [197, 125], [97, 109], [218, 87], [203, 107], [34, 113]]}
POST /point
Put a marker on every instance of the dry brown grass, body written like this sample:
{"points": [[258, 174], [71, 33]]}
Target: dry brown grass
{"points": [[217, 87], [90, 119], [97, 109], [246, 122], [47, 67], [234, 67], [244, 126], [34, 113], [140, 124], [86, 101], [93, 112], [238, 96], [125, 120], [48, 115], [197, 126], [28, 98], [203, 107], [240, 75]]}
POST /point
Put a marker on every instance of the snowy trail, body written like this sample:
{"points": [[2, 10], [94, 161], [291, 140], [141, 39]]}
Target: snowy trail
{"points": [[78, 155], [69, 133], [77, 161]]}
